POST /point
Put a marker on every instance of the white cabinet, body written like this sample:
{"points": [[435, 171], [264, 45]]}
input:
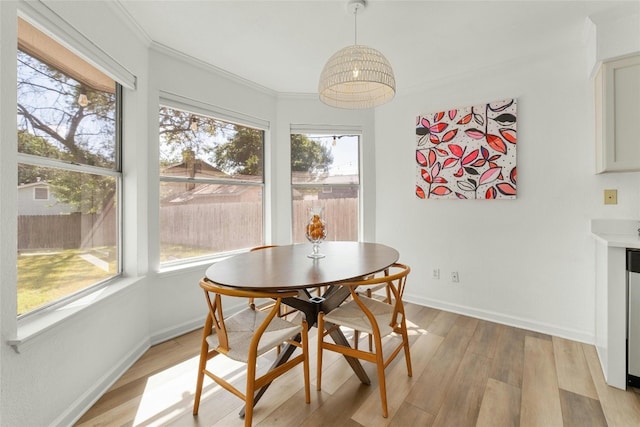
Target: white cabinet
{"points": [[617, 99]]}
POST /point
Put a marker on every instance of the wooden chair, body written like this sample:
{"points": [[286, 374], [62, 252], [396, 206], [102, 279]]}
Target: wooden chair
{"points": [[372, 316], [245, 336], [369, 291]]}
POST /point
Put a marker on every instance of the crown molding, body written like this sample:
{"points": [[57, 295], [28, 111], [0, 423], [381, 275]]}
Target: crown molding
{"points": [[183, 57]]}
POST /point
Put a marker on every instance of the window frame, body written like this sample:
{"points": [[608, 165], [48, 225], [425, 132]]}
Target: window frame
{"points": [[116, 172], [191, 106], [329, 131]]}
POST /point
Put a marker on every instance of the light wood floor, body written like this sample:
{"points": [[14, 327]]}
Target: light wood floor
{"points": [[466, 372]]}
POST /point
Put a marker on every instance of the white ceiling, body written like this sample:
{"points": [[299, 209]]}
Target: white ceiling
{"points": [[283, 45]]}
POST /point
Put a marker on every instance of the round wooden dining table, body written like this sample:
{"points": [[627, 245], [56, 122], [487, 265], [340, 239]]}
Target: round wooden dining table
{"points": [[288, 267]]}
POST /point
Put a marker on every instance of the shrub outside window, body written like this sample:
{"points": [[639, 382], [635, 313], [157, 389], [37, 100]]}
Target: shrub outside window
{"points": [[68, 120], [211, 186], [325, 173]]}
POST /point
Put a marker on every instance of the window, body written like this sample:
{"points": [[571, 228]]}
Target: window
{"points": [[325, 173], [68, 120], [41, 193], [211, 186]]}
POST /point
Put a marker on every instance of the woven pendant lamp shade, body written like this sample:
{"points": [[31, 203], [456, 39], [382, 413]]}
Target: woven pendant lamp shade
{"points": [[357, 77]]}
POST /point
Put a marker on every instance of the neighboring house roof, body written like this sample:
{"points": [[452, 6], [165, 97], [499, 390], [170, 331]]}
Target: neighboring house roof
{"points": [[194, 168]]}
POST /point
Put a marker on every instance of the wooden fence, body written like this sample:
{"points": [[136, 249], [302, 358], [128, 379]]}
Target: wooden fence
{"points": [[219, 227], [41, 232]]}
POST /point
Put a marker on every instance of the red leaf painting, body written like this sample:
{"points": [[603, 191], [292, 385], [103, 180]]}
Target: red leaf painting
{"points": [[450, 162], [432, 157], [509, 135], [473, 150], [489, 175], [470, 157], [439, 127], [425, 176], [506, 189], [441, 191], [449, 135], [456, 150], [474, 133], [466, 119], [496, 143], [420, 158]]}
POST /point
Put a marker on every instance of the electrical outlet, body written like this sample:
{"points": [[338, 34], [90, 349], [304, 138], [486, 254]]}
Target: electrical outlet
{"points": [[454, 277], [436, 273], [610, 197]]}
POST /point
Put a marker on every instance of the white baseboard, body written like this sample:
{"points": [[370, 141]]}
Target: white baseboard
{"points": [[518, 322], [176, 331]]}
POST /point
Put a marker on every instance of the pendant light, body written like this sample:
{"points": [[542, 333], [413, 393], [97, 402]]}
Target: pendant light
{"points": [[357, 77]]}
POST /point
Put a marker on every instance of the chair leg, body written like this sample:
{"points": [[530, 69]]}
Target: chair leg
{"points": [[382, 384], [407, 353], [305, 361], [201, 367], [319, 356], [249, 393], [356, 338]]}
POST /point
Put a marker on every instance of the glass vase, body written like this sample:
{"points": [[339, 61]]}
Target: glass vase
{"points": [[316, 230]]}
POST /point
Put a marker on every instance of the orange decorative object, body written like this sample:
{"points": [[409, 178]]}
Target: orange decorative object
{"points": [[316, 231]]}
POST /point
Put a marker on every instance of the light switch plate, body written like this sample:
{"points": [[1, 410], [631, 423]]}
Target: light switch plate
{"points": [[610, 197]]}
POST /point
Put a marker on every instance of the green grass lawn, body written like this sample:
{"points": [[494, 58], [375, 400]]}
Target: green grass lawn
{"points": [[44, 277], [47, 276]]}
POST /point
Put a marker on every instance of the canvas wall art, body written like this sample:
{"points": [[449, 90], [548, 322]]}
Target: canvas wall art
{"points": [[467, 153]]}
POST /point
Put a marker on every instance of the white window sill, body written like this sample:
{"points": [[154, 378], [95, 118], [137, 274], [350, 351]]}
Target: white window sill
{"points": [[32, 327]]}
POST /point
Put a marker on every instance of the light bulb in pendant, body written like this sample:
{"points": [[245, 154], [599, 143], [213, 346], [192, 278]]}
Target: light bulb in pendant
{"points": [[356, 72], [83, 101], [194, 124]]}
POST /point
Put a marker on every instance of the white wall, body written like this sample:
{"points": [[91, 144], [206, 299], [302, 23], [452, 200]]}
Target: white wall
{"points": [[527, 262]]}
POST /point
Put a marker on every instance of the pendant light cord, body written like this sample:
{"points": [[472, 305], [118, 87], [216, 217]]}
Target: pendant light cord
{"points": [[355, 24]]}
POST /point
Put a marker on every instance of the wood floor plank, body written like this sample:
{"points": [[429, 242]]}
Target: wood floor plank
{"points": [[442, 323], [621, 408], [409, 415], [540, 405], [508, 358], [429, 391], [336, 409], [581, 411], [500, 405], [398, 383], [485, 338], [462, 402], [573, 372]]}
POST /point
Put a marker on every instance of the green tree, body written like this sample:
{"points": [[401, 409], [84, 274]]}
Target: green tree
{"points": [[181, 132], [306, 153], [243, 154]]}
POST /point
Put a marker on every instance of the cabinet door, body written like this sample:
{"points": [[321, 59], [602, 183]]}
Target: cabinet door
{"points": [[618, 115]]}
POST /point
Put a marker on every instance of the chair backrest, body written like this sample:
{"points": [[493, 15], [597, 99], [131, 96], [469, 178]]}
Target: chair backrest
{"points": [[215, 320], [394, 278]]}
